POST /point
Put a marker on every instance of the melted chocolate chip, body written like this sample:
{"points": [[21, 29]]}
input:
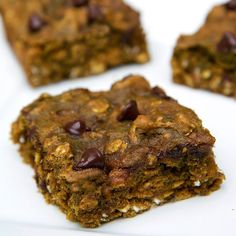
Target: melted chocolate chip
{"points": [[30, 133], [227, 78], [35, 23], [227, 42], [127, 36], [94, 13], [76, 127], [79, 3], [129, 112], [175, 153], [43, 186], [198, 152], [157, 91], [41, 183], [191, 152], [91, 158], [36, 177], [231, 5]]}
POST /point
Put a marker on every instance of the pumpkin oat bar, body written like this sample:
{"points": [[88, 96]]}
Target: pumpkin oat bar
{"points": [[63, 39], [104, 155], [207, 58]]}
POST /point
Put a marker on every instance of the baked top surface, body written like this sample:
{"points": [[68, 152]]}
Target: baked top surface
{"points": [[120, 128], [219, 21], [37, 21]]}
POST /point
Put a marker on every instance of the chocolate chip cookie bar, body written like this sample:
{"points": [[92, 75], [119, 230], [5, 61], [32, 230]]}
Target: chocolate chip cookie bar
{"points": [[207, 59], [63, 39], [105, 155]]}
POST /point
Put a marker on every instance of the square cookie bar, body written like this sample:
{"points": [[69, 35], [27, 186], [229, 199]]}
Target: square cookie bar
{"points": [[104, 155], [207, 59], [63, 39]]}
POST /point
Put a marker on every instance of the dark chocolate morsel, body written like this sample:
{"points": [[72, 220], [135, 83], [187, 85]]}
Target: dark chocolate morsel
{"points": [[175, 153], [35, 23], [191, 152], [91, 158], [79, 3], [41, 183], [30, 133], [43, 186], [94, 13], [129, 112], [127, 36], [157, 91], [231, 5], [227, 42], [76, 127], [198, 152], [227, 77]]}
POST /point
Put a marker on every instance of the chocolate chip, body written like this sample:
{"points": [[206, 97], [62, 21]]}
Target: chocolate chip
{"points": [[127, 36], [175, 153], [91, 158], [227, 78], [94, 13], [157, 91], [198, 152], [227, 43], [231, 5], [191, 151], [41, 183], [129, 112], [76, 127], [30, 134], [35, 23], [43, 186], [36, 177], [79, 3]]}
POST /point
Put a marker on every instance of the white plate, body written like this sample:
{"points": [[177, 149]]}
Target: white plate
{"points": [[23, 210]]}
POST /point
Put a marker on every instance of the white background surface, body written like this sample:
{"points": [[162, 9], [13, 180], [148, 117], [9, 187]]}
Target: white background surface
{"points": [[23, 210]]}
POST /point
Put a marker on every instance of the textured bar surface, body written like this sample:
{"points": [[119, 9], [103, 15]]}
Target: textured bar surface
{"points": [[207, 58], [63, 39], [104, 155]]}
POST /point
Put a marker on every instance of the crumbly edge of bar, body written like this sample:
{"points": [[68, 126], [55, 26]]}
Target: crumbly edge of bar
{"points": [[93, 197], [198, 68], [57, 60]]}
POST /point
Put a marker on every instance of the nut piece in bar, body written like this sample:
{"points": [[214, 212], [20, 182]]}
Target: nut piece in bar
{"points": [[63, 39], [207, 58], [104, 155]]}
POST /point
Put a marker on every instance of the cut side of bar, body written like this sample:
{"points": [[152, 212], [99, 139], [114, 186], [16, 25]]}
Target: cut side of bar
{"points": [[105, 155]]}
